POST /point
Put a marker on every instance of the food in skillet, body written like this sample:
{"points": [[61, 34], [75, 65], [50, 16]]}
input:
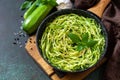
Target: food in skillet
{"points": [[71, 42]]}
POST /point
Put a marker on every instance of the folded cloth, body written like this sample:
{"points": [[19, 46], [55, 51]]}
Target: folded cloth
{"points": [[111, 19], [85, 4]]}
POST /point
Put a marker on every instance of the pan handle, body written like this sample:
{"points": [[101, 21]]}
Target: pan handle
{"points": [[99, 8]]}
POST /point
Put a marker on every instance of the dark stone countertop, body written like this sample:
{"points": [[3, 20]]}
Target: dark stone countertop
{"points": [[15, 63]]}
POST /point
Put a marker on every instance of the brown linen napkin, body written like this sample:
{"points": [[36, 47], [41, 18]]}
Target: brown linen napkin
{"points": [[111, 19], [84, 4]]}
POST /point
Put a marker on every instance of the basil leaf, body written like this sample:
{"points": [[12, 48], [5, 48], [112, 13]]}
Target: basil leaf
{"points": [[30, 0], [80, 47], [38, 2], [91, 43], [75, 38], [42, 1], [85, 37], [52, 2], [26, 5]]}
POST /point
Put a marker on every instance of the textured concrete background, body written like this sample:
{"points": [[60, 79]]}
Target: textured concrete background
{"points": [[15, 63]]}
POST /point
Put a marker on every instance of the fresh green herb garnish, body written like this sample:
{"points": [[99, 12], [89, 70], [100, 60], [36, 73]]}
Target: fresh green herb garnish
{"points": [[75, 38], [26, 5], [82, 43]]}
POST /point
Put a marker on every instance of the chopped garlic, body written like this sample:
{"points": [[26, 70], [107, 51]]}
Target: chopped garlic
{"points": [[64, 4]]}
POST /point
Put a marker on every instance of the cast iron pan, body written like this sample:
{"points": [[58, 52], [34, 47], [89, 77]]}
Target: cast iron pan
{"points": [[68, 11]]}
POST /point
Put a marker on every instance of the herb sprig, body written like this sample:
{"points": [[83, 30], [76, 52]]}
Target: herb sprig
{"points": [[28, 3], [82, 43]]}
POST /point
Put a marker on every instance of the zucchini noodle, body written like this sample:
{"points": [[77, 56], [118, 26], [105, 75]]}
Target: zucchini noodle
{"points": [[58, 48]]}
